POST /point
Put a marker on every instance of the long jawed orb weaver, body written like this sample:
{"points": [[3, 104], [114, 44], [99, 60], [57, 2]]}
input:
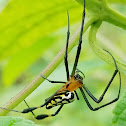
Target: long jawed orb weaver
{"points": [[66, 93]]}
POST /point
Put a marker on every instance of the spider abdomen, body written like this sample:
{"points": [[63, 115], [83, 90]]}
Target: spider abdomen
{"points": [[60, 98]]}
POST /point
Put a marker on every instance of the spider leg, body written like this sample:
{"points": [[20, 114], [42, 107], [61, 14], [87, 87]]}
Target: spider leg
{"points": [[30, 109], [51, 80], [76, 95], [97, 108], [65, 57], [38, 117], [103, 94], [42, 116], [79, 45], [77, 70], [33, 108], [107, 87]]}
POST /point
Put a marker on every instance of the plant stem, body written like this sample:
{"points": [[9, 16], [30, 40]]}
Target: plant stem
{"points": [[97, 49], [103, 12], [115, 18]]}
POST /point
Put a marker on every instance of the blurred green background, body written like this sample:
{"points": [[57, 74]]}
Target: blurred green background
{"points": [[31, 35]]}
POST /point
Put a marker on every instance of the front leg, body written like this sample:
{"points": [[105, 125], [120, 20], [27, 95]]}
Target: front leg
{"points": [[52, 81], [107, 87], [97, 108]]}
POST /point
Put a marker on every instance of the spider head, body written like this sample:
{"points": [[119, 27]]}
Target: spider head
{"points": [[78, 76]]}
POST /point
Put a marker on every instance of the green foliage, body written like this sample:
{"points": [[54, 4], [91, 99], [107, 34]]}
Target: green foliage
{"points": [[24, 32], [32, 30], [100, 11], [15, 121], [119, 117], [22, 59]]}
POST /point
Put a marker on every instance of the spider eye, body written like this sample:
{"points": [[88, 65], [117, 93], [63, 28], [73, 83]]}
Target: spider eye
{"points": [[78, 77]]}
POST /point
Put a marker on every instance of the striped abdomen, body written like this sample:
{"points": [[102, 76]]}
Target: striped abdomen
{"points": [[60, 98]]}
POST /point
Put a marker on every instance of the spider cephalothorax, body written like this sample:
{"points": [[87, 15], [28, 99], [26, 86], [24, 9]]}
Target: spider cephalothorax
{"points": [[78, 77]]}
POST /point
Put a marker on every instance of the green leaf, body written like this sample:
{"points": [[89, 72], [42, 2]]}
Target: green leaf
{"points": [[25, 30], [22, 59], [15, 121], [119, 117], [24, 22], [103, 12]]}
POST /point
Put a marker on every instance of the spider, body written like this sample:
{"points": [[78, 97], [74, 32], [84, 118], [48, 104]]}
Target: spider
{"points": [[66, 94]]}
